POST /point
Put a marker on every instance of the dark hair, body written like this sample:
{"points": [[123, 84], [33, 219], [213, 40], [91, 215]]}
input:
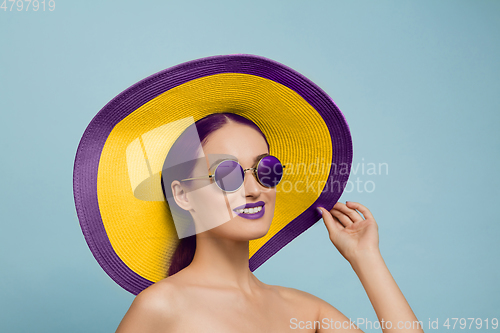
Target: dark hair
{"points": [[185, 149]]}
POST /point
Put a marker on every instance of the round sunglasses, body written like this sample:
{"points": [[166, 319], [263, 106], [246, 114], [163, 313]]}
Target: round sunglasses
{"points": [[229, 175]]}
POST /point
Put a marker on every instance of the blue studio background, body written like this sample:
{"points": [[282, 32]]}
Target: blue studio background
{"points": [[418, 82]]}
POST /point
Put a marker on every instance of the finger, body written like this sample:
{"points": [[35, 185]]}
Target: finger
{"points": [[352, 213], [331, 223], [344, 219], [365, 211]]}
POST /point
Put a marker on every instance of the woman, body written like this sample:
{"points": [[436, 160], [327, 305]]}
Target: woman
{"points": [[215, 291]]}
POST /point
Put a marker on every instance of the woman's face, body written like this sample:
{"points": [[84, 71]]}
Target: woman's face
{"points": [[214, 209]]}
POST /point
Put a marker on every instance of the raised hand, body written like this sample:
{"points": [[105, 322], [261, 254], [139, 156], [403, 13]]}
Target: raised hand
{"points": [[356, 238], [351, 234]]}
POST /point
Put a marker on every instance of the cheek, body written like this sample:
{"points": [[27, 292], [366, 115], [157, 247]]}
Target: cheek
{"points": [[271, 196], [272, 204], [210, 208]]}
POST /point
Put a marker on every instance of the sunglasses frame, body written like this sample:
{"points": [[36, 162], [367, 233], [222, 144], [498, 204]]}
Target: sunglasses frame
{"points": [[254, 171]]}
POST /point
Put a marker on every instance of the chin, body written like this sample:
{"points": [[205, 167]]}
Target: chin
{"points": [[255, 232]]}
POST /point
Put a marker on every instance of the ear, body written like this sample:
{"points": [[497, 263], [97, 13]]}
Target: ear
{"points": [[180, 195]]}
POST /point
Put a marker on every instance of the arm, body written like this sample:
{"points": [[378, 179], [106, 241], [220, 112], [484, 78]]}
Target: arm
{"points": [[357, 240], [384, 294]]}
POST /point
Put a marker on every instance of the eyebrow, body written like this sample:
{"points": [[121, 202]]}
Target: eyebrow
{"points": [[236, 160]]}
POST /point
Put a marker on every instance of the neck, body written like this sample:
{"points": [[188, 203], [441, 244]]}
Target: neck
{"points": [[222, 261]]}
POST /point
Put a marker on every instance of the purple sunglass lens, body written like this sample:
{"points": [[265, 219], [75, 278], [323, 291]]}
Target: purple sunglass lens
{"points": [[270, 171], [229, 176]]}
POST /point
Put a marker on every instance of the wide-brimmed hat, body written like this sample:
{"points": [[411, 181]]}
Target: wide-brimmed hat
{"points": [[123, 215]]}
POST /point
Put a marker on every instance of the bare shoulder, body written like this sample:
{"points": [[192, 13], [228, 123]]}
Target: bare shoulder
{"points": [[154, 308], [302, 298], [322, 311], [298, 296], [162, 297]]}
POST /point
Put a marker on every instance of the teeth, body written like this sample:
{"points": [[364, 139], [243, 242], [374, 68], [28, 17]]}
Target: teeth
{"points": [[249, 210]]}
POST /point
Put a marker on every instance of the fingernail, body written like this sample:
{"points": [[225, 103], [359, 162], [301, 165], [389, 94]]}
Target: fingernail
{"points": [[319, 210]]}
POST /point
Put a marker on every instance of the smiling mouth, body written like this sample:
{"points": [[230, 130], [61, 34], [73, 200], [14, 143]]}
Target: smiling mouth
{"points": [[253, 210]]}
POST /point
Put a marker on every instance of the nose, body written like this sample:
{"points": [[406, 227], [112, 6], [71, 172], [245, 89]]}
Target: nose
{"points": [[252, 186]]}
